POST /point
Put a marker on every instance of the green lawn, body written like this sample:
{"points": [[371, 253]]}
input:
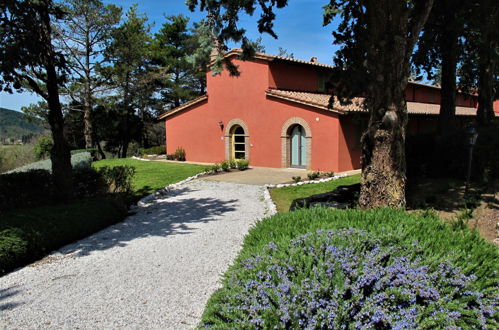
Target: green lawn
{"points": [[283, 197], [151, 176]]}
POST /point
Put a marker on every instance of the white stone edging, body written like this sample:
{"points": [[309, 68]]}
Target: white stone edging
{"points": [[142, 159], [271, 207], [282, 185]]}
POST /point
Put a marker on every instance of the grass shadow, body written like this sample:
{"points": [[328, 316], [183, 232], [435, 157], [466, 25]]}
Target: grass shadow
{"points": [[173, 215], [7, 294]]}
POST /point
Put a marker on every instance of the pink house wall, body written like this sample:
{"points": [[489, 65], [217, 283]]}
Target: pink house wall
{"points": [[335, 139], [197, 129]]}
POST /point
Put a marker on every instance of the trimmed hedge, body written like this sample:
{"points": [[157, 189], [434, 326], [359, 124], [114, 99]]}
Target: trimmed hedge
{"points": [[35, 187], [159, 150], [30, 234], [78, 160], [280, 278]]}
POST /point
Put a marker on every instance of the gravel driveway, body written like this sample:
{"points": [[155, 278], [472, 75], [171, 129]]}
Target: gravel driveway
{"points": [[155, 270]]}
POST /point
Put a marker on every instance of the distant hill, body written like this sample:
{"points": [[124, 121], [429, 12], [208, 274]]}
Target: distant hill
{"points": [[14, 126]]}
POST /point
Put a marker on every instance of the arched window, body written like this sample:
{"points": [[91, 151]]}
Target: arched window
{"points": [[238, 142]]}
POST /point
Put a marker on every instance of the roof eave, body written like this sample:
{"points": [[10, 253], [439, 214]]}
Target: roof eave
{"points": [[183, 107], [310, 104]]}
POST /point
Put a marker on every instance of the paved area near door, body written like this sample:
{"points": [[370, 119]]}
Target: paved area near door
{"points": [[155, 270], [265, 175], [260, 176]]}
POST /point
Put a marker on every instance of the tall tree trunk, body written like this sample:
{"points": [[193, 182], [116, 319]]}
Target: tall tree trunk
{"points": [[125, 133], [87, 125], [486, 92], [60, 155], [87, 105], [449, 47], [383, 144]]}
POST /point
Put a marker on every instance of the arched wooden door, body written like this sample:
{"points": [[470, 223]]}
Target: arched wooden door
{"points": [[298, 147]]}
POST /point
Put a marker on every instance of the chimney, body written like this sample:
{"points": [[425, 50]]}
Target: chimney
{"points": [[215, 50], [314, 60]]}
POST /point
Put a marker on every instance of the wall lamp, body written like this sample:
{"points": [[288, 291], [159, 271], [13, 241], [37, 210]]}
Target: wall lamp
{"points": [[221, 124]]}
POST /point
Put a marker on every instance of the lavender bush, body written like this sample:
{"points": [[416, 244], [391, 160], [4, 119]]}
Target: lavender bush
{"points": [[350, 279]]}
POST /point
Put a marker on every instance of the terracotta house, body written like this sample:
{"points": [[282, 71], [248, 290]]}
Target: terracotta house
{"points": [[276, 115]]}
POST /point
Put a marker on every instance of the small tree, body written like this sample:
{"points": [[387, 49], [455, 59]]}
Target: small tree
{"points": [[82, 37], [30, 61], [127, 54]]}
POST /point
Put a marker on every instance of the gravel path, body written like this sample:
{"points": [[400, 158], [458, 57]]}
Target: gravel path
{"points": [[155, 270]]}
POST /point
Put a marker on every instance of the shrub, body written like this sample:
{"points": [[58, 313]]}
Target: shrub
{"points": [[242, 164], [92, 151], [330, 279], [233, 163], [170, 157], [225, 166], [43, 147], [313, 175], [180, 154], [118, 178], [214, 168], [329, 174], [25, 189], [321, 268], [27, 235], [159, 150], [296, 179], [78, 160], [81, 160], [35, 187], [88, 182]]}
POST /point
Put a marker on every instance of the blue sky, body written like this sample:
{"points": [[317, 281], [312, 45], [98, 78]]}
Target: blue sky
{"points": [[299, 27]]}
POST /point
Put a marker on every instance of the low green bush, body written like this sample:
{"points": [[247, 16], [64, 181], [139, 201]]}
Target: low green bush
{"points": [[180, 154], [25, 189], [213, 168], [35, 187], [159, 150], [79, 160], [296, 179], [118, 178], [225, 166], [92, 151], [322, 268], [29, 234], [233, 164], [242, 164], [313, 175]]}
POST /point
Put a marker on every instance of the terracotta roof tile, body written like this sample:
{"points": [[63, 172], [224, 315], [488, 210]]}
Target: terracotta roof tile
{"points": [[268, 57], [321, 101]]}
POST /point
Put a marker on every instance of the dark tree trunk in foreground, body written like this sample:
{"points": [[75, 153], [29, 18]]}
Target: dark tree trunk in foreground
{"points": [[487, 53], [60, 155], [486, 93], [392, 36], [449, 47]]}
